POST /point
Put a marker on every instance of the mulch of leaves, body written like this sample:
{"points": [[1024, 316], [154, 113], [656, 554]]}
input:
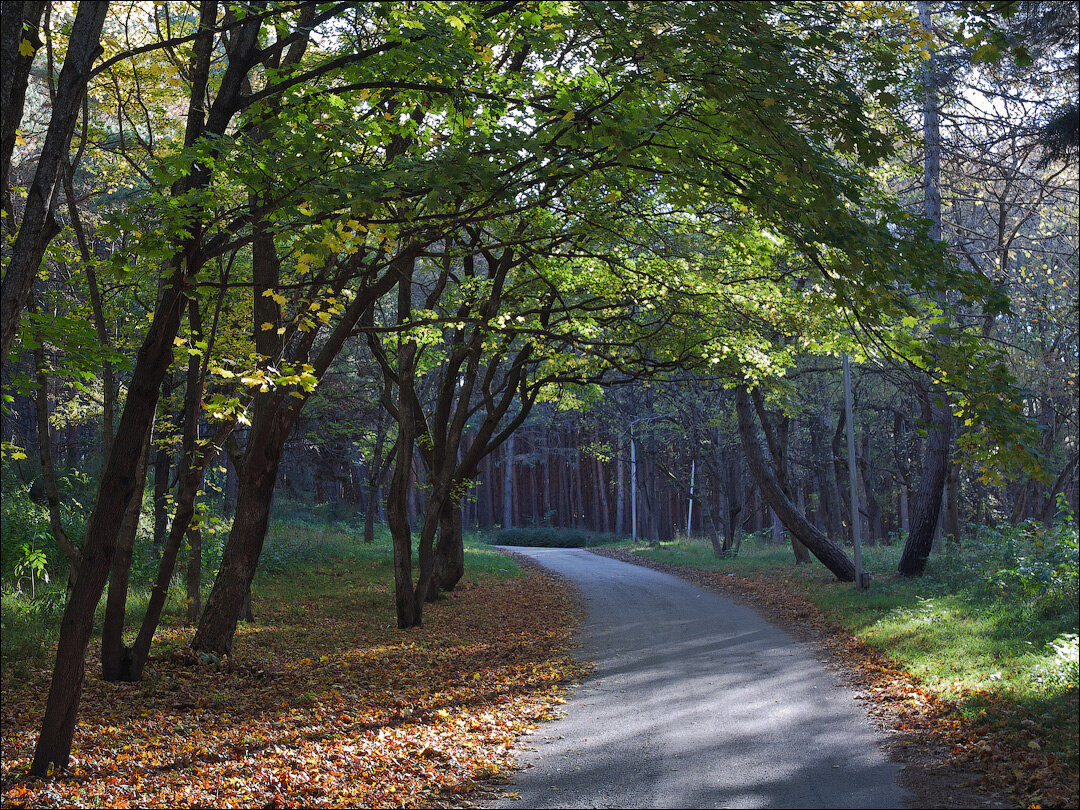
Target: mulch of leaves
{"points": [[949, 760], [318, 707]]}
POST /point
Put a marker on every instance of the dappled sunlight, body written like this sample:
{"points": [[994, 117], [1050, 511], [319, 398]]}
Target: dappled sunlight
{"points": [[342, 712]]}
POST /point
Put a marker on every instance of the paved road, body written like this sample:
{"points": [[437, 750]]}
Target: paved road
{"points": [[696, 702]]}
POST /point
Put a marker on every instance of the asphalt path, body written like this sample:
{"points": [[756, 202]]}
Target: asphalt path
{"points": [[695, 701]]}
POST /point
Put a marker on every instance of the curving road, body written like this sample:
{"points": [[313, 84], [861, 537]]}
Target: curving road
{"points": [[695, 701]]}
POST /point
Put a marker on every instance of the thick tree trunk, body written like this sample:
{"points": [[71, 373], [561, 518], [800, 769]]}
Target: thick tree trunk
{"points": [[927, 506], [240, 557], [831, 555], [450, 551]]}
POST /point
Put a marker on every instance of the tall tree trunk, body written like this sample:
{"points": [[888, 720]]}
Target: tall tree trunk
{"points": [[117, 483], [38, 226], [831, 555], [240, 557], [48, 472], [508, 485], [951, 526], [604, 515], [194, 574], [18, 21], [115, 655], [620, 491], [162, 466], [935, 459]]}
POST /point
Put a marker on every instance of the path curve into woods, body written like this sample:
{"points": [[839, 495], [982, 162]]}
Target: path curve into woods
{"points": [[696, 701]]}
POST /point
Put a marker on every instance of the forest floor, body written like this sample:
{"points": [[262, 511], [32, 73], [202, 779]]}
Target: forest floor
{"points": [[324, 702], [948, 760]]}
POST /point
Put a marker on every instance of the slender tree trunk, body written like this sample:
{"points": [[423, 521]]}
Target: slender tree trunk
{"points": [[620, 491], [38, 226], [162, 466], [951, 526], [48, 473], [115, 655], [508, 485], [18, 21], [194, 574]]}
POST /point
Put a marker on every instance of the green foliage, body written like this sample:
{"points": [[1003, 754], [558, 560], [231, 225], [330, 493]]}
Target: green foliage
{"points": [[21, 521], [1032, 568], [549, 538]]}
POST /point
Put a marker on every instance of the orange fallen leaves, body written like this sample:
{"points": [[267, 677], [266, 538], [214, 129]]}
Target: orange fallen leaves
{"points": [[340, 711]]}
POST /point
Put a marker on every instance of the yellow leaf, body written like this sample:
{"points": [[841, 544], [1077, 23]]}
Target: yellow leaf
{"points": [[178, 341], [26, 48], [266, 327], [19, 139]]}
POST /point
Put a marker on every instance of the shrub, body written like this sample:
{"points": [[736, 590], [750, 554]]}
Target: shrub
{"points": [[1031, 565], [548, 537]]}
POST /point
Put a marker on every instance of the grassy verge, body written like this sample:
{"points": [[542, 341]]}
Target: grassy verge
{"points": [[324, 702], [989, 633]]}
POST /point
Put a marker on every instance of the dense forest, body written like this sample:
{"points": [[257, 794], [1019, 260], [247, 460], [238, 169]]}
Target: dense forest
{"points": [[523, 264]]}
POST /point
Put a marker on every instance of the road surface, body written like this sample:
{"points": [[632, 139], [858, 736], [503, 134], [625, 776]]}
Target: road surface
{"points": [[695, 701]]}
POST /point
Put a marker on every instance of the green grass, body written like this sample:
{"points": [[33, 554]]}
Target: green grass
{"points": [[302, 550]]}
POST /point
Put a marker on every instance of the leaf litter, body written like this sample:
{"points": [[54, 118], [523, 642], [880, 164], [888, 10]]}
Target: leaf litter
{"points": [[328, 705]]}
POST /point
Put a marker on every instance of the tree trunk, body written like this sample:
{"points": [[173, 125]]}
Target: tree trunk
{"points": [[831, 555], [951, 526], [508, 485], [38, 226], [620, 492], [115, 655], [928, 498], [194, 574], [48, 473], [449, 563], [935, 459], [240, 556]]}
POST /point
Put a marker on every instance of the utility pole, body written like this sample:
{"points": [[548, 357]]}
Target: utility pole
{"points": [[856, 520], [690, 506], [633, 487]]}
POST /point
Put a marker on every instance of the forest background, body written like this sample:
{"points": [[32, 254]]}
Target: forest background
{"points": [[527, 266]]}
